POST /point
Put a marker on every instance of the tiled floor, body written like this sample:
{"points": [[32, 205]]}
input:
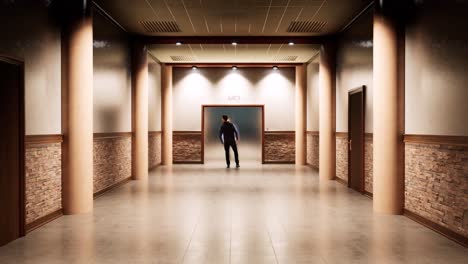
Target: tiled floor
{"points": [[258, 214]]}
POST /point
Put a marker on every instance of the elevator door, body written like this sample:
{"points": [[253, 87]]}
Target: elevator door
{"points": [[356, 140], [10, 152], [248, 120]]}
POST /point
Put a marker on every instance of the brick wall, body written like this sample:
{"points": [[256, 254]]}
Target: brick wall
{"points": [[187, 146], [112, 161], [342, 156], [280, 147], [342, 160], [154, 149], [313, 149], [43, 175], [436, 184], [368, 163]]}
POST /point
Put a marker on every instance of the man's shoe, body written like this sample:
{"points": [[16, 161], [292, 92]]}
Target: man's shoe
{"points": [[237, 166], [227, 167]]}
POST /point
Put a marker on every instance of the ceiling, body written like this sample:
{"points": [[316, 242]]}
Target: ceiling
{"points": [[232, 17], [242, 53], [274, 18]]}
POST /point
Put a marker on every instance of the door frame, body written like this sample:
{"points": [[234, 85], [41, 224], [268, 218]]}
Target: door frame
{"points": [[21, 105], [361, 90], [262, 107]]}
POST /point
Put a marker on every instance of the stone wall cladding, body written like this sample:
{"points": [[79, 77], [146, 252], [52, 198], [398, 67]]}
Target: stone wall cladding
{"points": [[280, 147], [43, 173], [368, 163], [154, 150], [436, 184], [187, 147], [342, 157], [112, 161], [313, 149]]}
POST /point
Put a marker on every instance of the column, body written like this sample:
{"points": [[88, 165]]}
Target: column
{"points": [[327, 122], [166, 119], [301, 114], [77, 109], [388, 128], [140, 111]]}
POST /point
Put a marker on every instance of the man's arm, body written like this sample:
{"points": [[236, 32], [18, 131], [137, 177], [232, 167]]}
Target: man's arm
{"points": [[236, 132], [221, 135]]}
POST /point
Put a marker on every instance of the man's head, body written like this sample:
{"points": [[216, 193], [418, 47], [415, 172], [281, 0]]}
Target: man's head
{"points": [[225, 118]]}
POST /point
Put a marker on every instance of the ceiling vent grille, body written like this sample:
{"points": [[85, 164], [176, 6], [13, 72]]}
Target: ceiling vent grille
{"points": [[285, 58], [160, 26], [183, 58], [306, 26]]}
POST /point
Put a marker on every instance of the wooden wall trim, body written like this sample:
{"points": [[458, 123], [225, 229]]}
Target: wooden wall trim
{"points": [[112, 135], [368, 194], [280, 132], [43, 139], [437, 228], [345, 134], [154, 133], [43, 220], [436, 139], [341, 134], [345, 183], [313, 133], [187, 132]]}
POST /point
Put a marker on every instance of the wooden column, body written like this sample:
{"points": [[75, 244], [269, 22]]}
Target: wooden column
{"points": [[77, 109], [166, 116], [140, 111], [388, 118], [327, 121], [301, 114]]}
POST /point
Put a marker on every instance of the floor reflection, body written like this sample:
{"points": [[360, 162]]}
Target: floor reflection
{"points": [[255, 214]]}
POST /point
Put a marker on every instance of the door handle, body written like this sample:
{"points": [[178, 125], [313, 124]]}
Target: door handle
{"points": [[350, 147]]}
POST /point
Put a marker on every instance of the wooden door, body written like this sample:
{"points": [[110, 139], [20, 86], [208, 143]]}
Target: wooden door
{"points": [[356, 139], [11, 152]]}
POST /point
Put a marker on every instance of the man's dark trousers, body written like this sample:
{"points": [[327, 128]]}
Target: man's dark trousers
{"points": [[233, 145]]}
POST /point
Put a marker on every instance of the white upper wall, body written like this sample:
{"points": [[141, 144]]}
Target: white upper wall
{"points": [[436, 70], [112, 107], [354, 69], [262, 86], [313, 96], [154, 95], [36, 41]]}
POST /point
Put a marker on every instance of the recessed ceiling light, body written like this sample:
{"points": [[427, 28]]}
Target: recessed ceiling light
{"points": [[178, 43], [234, 68], [275, 68], [291, 43], [234, 43], [194, 67]]}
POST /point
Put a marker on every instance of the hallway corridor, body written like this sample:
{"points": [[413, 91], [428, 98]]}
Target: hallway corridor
{"points": [[258, 214]]}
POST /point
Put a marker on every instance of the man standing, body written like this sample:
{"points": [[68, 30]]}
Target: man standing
{"points": [[229, 135]]}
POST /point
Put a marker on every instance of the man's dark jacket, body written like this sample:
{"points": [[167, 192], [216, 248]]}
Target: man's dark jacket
{"points": [[229, 132]]}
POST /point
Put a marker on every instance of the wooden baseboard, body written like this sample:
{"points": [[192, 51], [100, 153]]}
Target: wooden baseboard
{"points": [[187, 162], [113, 186], [312, 166], [341, 181], [154, 166], [368, 194], [43, 220], [278, 162], [460, 239]]}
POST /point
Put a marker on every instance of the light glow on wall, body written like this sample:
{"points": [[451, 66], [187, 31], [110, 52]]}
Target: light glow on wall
{"points": [[259, 86]]}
